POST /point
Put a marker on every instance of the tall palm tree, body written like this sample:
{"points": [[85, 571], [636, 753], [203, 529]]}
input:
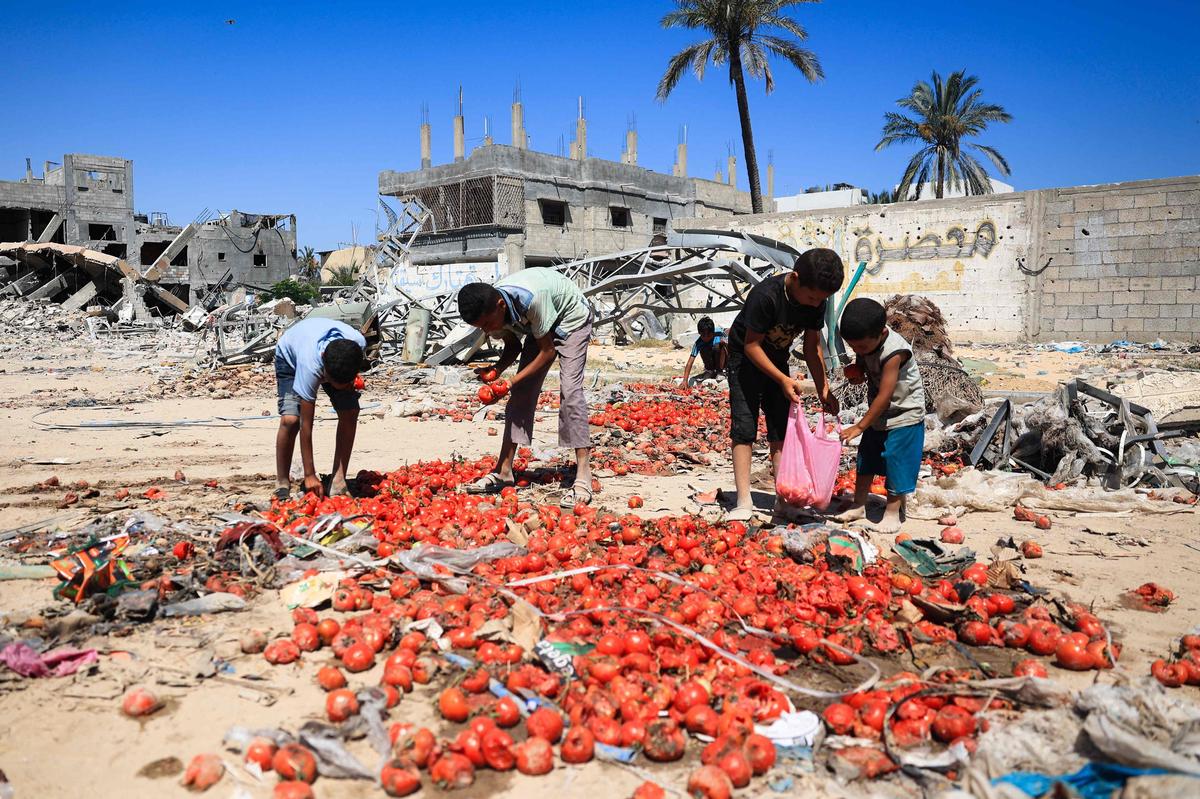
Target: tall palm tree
{"points": [[737, 40], [946, 113]]}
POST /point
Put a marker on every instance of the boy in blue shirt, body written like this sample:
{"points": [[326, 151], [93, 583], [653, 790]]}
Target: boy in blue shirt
{"points": [[316, 352], [711, 347]]}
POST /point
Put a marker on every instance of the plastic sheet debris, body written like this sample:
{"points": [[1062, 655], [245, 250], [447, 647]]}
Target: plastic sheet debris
{"points": [[849, 545], [929, 559], [333, 760], [424, 560], [801, 728], [1094, 781], [1070, 347], [218, 602], [63, 662], [974, 489]]}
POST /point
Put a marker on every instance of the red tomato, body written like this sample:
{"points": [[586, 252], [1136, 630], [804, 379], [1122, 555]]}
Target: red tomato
{"points": [[839, 717], [664, 741], [952, 722], [340, 705], [281, 651], [358, 657], [294, 762], [452, 704], [452, 771], [1072, 653], [139, 702], [506, 712], [261, 751], [400, 777], [498, 750], [708, 782], [761, 753], [579, 745], [545, 723], [1030, 668], [330, 678], [535, 755]]}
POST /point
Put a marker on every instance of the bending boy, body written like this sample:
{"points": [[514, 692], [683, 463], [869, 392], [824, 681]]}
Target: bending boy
{"points": [[777, 310], [316, 352], [893, 429], [711, 347], [541, 316]]}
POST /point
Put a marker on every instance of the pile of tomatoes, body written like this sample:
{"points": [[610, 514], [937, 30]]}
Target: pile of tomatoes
{"points": [[597, 577], [1183, 668]]}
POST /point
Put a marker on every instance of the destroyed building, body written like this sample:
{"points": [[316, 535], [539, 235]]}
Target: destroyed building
{"points": [[549, 209], [87, 202]]}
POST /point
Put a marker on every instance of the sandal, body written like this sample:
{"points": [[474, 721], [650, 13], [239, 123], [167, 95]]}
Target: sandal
{"points": [[576, 495], [490, 483]]}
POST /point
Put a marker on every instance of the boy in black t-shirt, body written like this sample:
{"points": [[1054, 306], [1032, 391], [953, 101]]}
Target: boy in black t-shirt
{"points": [[760, 342]]}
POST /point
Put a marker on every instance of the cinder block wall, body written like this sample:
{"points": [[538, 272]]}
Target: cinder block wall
{"points": [[1116, 261], [1124, 260]]}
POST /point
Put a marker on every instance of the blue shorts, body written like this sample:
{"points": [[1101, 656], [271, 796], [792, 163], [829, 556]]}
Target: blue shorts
{"points": [[289, 400], [895, 454]]}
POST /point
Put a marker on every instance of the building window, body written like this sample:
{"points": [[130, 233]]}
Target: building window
{"points": [[260, 259], [101, 232], [181, 259], [660, 225], [554, 212], [620, 217], [82, 188], [220, 256]]}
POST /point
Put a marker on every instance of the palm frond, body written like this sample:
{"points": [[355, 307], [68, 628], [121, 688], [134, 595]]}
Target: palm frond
{"points": [[679, 64], [805, 61], [994, 156]]}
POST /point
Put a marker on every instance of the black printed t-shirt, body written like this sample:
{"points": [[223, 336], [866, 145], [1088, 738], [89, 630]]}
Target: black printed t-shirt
{"points": [[768, 310]]}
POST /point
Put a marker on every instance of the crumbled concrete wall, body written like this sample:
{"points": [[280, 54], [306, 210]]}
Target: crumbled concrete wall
{"points": [[1123, 259]]}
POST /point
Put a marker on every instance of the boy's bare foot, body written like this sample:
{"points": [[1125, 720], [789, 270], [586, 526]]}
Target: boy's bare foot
{"points": [[851, 514], [742, 513], [339, 489], [886, 525]]}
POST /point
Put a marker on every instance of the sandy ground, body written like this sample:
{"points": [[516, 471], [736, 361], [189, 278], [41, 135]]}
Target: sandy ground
{"points": [[49, 724]]}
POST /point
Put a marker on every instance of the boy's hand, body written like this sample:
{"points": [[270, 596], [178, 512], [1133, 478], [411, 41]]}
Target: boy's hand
{"points": [[791, 388], [313, 483], [830, 403], [851, 432]]}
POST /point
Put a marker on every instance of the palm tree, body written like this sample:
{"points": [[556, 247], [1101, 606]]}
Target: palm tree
{"points": [[737, 39], [307, 264], [946, 113]]}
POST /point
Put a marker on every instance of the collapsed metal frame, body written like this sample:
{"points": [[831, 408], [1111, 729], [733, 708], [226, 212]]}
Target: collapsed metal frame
{"points": [[630, 288], [1140, 432]]}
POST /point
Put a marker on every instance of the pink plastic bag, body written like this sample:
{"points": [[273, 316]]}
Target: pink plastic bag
{"points": [[808, 465]]}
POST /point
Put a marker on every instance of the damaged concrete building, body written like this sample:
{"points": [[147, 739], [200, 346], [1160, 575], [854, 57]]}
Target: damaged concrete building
{"points": [[506, 202], [87, 202]]}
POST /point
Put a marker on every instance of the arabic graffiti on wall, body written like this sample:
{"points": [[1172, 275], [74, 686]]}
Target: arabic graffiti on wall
{"points": [[425, 279]]}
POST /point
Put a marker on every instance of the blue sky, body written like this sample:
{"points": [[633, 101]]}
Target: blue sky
{"points": [[296, 107]]}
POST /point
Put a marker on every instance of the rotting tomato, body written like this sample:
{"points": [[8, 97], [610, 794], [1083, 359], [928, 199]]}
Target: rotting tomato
{"points": [[281, 652], [452, 771], [735, 764], [952, 722], [579, 745], [497, 750], [295, 762], [709, 782], [760, 751], [1072, 653], [1030, 668], [400, 777], [330, 678], [545, 723], [204, 772], [292, 789], [664, 741], [341, 704], [839, 717], [535, 756], [358, 657], [139, 702]]}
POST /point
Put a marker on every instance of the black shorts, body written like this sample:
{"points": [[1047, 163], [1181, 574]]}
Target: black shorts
{"points": [[708, 357], [749, 391]]}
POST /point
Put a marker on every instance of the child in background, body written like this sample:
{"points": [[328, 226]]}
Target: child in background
{"points": [[893, 429], [777, 310], [711, 347]]}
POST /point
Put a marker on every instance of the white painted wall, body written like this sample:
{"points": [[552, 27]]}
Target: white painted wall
{"points": [[963, 257], [841, 198]]}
